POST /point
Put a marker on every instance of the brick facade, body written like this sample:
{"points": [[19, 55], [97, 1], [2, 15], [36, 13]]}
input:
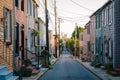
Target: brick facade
{"points": [[6, 33], [92, 37], [116, 53], [21, 29]]}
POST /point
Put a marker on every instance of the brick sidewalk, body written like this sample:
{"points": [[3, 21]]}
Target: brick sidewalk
{"points": [[98, 71]]}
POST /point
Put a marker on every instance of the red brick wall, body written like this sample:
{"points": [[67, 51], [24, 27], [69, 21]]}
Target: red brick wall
{"points": [[9, 5], [21, 20]]}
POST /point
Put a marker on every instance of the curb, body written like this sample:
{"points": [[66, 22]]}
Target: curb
{"points": [[46, 70], [42, 74], [90, 70]]}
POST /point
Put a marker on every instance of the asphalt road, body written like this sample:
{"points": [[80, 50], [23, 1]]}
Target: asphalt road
{"points": [[68, 69]]}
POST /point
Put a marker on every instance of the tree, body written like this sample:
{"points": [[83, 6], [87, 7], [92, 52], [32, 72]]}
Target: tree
{"points": [[75, 34], [79, 30], [70, 44]]}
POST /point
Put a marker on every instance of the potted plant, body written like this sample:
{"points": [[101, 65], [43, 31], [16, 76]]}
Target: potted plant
{"points": [[45, 52], [109, 66], [27, 62], [36, 20], [37, 32]]}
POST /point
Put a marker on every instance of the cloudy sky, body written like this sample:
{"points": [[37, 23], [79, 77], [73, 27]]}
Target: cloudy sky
{"points": [[71, 12]]}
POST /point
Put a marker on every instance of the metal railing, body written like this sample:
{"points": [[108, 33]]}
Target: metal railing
{"points": [[30, 52]]}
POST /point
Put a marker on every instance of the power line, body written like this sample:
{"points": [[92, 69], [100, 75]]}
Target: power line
{"points": [[64, 11], [82, 6]]}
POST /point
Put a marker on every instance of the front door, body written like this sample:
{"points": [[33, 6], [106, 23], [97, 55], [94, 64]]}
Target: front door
{"points": [[22, 41]]}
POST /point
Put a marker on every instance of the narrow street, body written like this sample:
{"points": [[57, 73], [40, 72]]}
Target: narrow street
{"points": [[68, 69]]}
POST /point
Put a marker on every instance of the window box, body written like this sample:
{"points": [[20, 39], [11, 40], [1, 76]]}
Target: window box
{"points": [[8, 42]]}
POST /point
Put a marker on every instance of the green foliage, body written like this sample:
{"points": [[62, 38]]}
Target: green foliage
{"points": [[36, 20], [108, 66], [37, 32], [45, 52], [70, 43], [78, 30], [49, 65], [27, 62]]}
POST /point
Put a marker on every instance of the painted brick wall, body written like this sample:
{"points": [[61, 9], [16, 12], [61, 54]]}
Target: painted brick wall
{"points": [[117, 33]]}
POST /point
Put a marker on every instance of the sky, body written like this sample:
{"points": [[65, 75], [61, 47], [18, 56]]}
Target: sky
{"points": [[72, 12]]}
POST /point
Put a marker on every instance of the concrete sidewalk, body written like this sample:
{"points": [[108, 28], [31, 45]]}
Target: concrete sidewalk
{"points": [[98, 71], [41, 73]]}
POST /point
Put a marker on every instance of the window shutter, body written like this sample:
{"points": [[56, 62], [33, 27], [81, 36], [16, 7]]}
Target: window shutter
{"points": [[11, 26], [5, 25]]}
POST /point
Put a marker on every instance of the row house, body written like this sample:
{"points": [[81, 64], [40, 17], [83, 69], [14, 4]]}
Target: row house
{"points": [[97, 38], [18, 25], [20, 38], [85, 43], [6, 33], [104, 33], [19, 33], [98, 35], [102, 24], [92, 34], [81, 45], [32, 27], [107, 46], [51, 42], [42, 36], [42, 40], [107, 31], [116, 33]]}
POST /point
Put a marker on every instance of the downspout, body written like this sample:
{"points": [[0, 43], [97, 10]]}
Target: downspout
{"points": [[14, 51]]}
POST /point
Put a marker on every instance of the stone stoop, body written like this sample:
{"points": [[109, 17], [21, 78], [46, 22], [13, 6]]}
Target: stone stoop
{"points": [[3, 62], [6, 74], [115, 72]]}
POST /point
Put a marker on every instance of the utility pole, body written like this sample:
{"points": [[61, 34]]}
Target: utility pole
{"points": [[75, 38], [47, 32], [59, 19], [55, 28]]}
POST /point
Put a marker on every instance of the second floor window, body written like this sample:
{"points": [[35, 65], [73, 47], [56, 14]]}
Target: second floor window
{"points": [[34, 11], [8, 25], [22, 5], [16, 3], [82, 37]]}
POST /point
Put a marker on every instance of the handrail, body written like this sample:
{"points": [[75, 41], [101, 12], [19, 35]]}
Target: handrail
{"points": [[31, 52]]}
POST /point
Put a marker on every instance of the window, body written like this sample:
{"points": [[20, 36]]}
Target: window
{"points": [[33, 10], [110, 14], [82, 37], [28, 6], [88, 44], [16, 3], [88, 29], [7, 25], [22, 5], [105, 18]]}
